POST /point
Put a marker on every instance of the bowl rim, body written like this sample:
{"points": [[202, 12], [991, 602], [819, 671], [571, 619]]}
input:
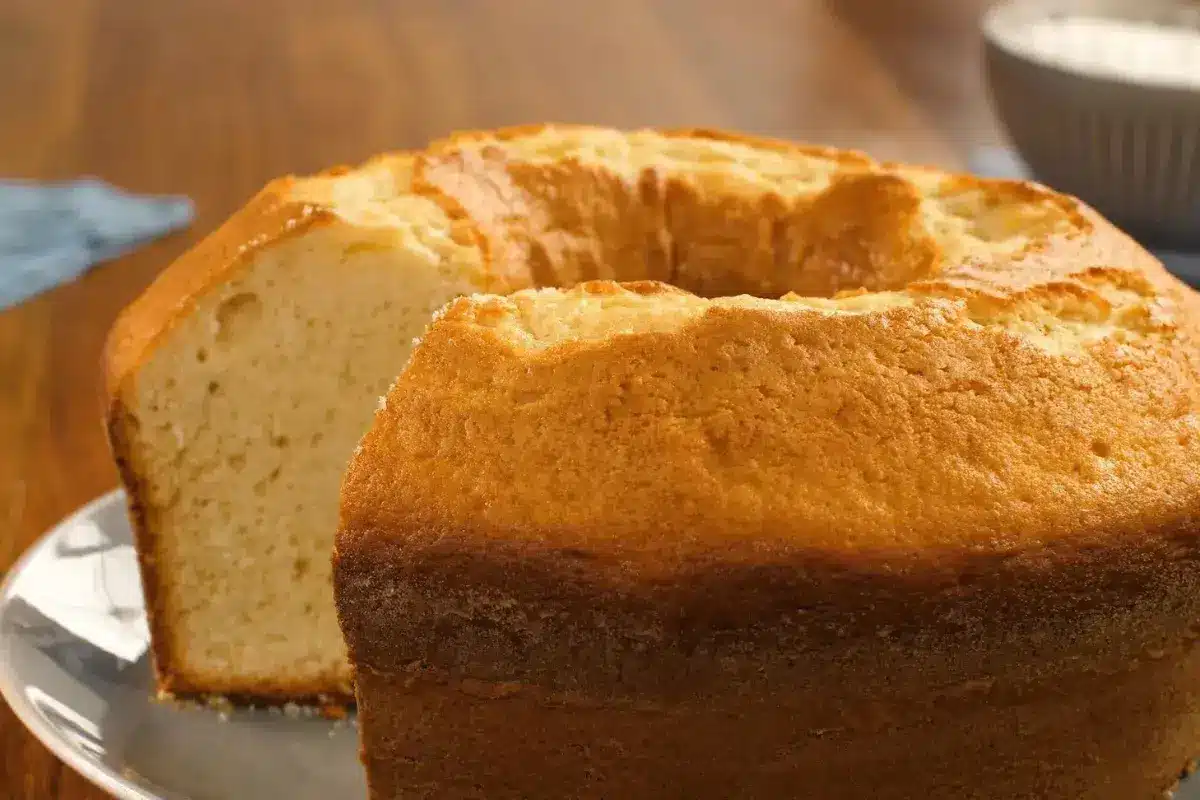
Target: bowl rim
{"points": [[999, 20]]}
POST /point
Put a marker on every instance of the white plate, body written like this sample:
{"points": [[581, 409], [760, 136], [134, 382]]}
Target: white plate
{"points": [[74, 668]]}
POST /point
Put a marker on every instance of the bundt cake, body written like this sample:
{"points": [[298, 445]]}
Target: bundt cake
{"points": [[820, 478], [894, 498]]}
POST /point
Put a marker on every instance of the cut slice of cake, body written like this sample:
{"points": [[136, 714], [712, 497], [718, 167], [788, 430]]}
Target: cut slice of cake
{"points": [[240, 383]]}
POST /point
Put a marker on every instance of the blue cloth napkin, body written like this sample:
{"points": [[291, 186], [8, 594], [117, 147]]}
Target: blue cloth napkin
{"points": [[52, 233], [1001, 162]]}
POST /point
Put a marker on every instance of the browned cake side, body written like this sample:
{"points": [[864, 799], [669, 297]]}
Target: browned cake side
{"points": [[932, 540]]}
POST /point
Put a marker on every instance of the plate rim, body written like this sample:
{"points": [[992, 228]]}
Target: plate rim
{"points": [[99, 774]]}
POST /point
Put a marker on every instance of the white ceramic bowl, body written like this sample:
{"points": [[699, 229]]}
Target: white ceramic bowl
{"points": [[1101, 99]]}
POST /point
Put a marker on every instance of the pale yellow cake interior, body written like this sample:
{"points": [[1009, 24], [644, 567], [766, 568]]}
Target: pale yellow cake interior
{"points": [[248, 413]]}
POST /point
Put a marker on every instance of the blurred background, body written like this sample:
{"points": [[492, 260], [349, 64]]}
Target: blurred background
{"points": [[209, 99], [206, 100]]}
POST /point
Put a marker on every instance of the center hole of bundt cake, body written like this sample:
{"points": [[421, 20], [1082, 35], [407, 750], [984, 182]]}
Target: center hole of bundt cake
{"points": [[712, 232], [721, 216]]}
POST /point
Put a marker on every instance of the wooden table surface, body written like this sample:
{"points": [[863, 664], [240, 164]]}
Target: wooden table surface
{"points": [[211, 98]]}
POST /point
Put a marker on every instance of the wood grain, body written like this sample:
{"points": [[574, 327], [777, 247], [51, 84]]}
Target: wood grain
{"points": [[211, 98]]}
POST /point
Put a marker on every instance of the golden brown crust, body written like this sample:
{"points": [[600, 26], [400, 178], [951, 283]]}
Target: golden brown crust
{"points": [[972, 468], [1055, 444], [717, 470]]}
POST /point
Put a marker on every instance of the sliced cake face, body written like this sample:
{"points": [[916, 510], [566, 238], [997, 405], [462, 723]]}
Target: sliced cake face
{"points": [[235, 430]]}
